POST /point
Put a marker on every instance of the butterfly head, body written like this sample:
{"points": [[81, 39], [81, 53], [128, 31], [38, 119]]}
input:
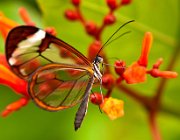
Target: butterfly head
{"points": [[98, 60]]}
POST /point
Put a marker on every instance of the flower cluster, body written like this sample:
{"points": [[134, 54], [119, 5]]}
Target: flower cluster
{"points": [[132, 74], [135, 73], [90, 26]]}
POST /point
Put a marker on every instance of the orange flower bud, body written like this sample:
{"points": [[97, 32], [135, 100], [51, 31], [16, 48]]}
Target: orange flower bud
{"points": [[146, 46], [6, 25], [25, 16], [15, 106]]}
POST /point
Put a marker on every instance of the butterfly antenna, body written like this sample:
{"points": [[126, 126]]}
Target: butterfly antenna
{"points": [[107, 42], [117, 38]]}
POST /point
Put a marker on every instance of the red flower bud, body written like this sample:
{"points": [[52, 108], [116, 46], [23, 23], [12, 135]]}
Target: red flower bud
{"points": [[51, 30], [91, 28], [120, 67], [75, 2], [96, 98], [93, 49], [108, 81], [112, 4], [109, 19], [71, 15], [164, 74], [125, 2], [158, 63], [15, 106]]}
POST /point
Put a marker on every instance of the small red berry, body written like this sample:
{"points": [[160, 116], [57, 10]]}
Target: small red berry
{"points": [[75, 2], [125, 2], [112, 4], [96, 98], [109, 19], [120, 67], [108, 81], [91, 28], [71, 15]]}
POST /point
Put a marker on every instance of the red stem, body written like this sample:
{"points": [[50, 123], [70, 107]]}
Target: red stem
{"points": [[145, 101], [108, 94], [153, 126], [81, 17], [99, 33]]}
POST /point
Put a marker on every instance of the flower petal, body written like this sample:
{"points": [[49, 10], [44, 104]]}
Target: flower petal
{"points": [[114, 108], [135, 74], [7, 77]]}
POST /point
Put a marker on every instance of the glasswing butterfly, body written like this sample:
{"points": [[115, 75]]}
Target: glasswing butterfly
{"points": [[58, 75]]}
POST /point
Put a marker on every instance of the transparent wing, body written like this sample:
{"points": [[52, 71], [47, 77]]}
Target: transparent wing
{"points": [[28, 48], [55, 86]]}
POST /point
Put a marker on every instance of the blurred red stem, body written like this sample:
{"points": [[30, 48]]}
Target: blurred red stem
{"points": [[100, 30], [81, 18], [153, 126], [108, 94], [135, 95]]}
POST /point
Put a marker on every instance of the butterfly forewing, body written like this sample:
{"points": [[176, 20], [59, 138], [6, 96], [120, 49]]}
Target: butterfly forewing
{"points": [[56, 87], [28, 48]]}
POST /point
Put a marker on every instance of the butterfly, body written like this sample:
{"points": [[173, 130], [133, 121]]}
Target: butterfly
{"points": [[58, 75]]}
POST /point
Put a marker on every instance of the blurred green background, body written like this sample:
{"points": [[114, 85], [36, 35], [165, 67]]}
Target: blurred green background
{"points": [[160, 17]]}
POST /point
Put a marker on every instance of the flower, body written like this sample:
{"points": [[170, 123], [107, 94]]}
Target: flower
{"points": [[7, 77], [6, 25], [114, 108], [136, 73]]}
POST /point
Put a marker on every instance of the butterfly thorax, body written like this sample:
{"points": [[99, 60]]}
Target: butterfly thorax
{"points": [[96, 68]]}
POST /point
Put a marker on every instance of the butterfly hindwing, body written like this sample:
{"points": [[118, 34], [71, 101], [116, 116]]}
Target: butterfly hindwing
{"points": [[55, 87]]}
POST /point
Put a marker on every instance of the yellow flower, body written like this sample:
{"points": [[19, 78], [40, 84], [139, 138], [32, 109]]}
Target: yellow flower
{"points": [[114, 108]]}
